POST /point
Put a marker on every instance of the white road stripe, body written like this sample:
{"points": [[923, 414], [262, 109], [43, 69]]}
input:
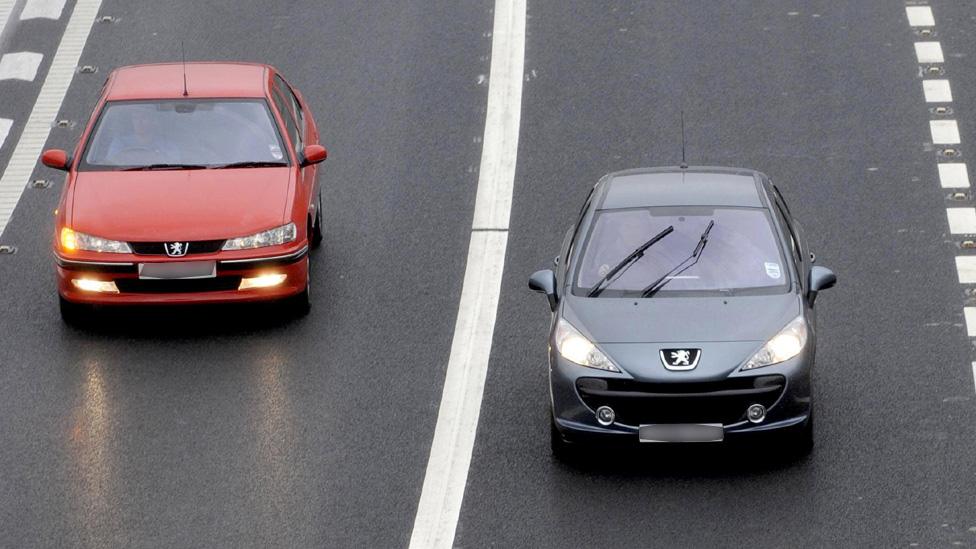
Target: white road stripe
{"points": [[953, 175], [970, 313], [42, 9], [974, 373], [5, 124], [929, 52], [24, 159], [460, 407], [920, 16], [20, 65], [937, 91], [961, 220], [944, 132], [6, 7], [966, 268]]}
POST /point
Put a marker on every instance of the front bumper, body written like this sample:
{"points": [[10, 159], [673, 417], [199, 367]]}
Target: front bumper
{"points": [[784, 389], [221, 289]]}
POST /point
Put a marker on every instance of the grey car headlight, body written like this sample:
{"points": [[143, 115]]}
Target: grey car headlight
{"points": [[72, 240], [574, 347], [783, 346], [271, 237]]}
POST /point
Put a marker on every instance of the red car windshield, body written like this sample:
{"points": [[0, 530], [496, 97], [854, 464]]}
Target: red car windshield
{"points": [[207, 133]]}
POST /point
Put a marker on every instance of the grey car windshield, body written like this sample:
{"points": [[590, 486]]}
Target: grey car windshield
{"points": [[190, 132], [742, 254]]}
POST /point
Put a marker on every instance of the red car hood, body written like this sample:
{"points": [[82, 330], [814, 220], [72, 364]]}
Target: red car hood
{"points": [[179, 205]]}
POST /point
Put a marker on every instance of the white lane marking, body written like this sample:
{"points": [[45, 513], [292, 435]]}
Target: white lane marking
{"points": [[6, 7], [5, 125], [974, 373], [929, 52], [920, 16], [966, 268], [24, 159], [953, 175], [970, 313], [460, 407], [42, 9], [944, 132], [961, 220], [937, 91], [20, 65]]}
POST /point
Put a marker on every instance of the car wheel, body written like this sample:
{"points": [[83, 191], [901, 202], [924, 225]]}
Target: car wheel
{"points": [[317, 226], [73, 313]]}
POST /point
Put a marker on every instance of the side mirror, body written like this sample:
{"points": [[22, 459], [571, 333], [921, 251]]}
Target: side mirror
{"points": [[313, 154], [821, 278], [544, 281], [57, 159]]}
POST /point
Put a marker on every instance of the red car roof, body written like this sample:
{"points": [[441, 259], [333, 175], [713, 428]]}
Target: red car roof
{"points": [[165, 81]]}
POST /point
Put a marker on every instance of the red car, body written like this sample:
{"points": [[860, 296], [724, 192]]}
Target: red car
{"points": [[192, 183]]}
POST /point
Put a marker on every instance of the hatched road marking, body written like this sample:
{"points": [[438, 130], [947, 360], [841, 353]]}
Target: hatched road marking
{"points": [[460, 407], [24, 158], [5, 125]]}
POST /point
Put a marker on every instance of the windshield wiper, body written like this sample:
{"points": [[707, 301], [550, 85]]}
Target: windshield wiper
{"points": [[680, 267], [165, 167], [626, 262], [248, 164]]}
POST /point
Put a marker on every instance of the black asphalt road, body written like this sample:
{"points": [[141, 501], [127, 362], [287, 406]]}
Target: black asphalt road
{"points": [[229, 427]]}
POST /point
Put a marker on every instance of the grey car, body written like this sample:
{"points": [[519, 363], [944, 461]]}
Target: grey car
{"points": [[682, 311]]}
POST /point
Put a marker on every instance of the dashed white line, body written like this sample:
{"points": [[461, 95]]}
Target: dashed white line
{"points": [[24, 158], [5, 125], [961, 220], [953, 175], [966, 268], [6, 6], [970, 313], [460, 407], [920, 16], [929, 52], [944, 132], [20, 65], [42, 9], [937, 91]]}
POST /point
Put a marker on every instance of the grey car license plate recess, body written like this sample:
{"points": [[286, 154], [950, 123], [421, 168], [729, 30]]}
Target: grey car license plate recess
{"points": [[177, 270], [690, 432]]}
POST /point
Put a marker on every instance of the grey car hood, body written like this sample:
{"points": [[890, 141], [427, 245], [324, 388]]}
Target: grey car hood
{"points": [[726, 329]]}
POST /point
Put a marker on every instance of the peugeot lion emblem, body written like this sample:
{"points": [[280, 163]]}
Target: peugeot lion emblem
{"points": [[176, 249], [680, 359]]}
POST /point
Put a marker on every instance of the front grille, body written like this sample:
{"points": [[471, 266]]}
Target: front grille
{"points": [[638, 403], [192, 247], [217, 284]]}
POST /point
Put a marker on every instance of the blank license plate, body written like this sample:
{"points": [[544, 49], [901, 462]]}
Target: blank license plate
{"points": [[177, 270], [693, 432]]}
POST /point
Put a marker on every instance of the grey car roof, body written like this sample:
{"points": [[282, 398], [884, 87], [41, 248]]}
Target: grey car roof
{"points": [[693, 186]]}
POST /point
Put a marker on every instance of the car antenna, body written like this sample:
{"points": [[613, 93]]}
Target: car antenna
{"points": [[183, 51], [684, 165]]}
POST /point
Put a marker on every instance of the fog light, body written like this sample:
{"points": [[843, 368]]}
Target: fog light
{"points": [[99, 286], [756, 413], [604, 415], [263, 281]]}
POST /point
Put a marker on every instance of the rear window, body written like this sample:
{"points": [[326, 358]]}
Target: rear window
{"points": [[742, 255], [207, 132]]}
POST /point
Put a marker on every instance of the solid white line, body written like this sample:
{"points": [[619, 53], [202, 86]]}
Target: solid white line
{"points": [[944, 132], [929, 52], [460, 407], [961, 220], [953, 175], [966, 268], [5, 124], [937, 91], [920, 16], [24, 159], [20, 65], [42, 9], [970, 313]]}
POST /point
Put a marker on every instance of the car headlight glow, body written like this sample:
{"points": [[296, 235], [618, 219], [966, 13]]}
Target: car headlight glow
{"points": [[271, 237], [72, 240], [577, 349], [783, 346]]}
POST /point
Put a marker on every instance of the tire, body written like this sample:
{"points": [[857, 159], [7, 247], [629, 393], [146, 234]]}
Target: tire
{"points": [[73, 314], [316, 239]]}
